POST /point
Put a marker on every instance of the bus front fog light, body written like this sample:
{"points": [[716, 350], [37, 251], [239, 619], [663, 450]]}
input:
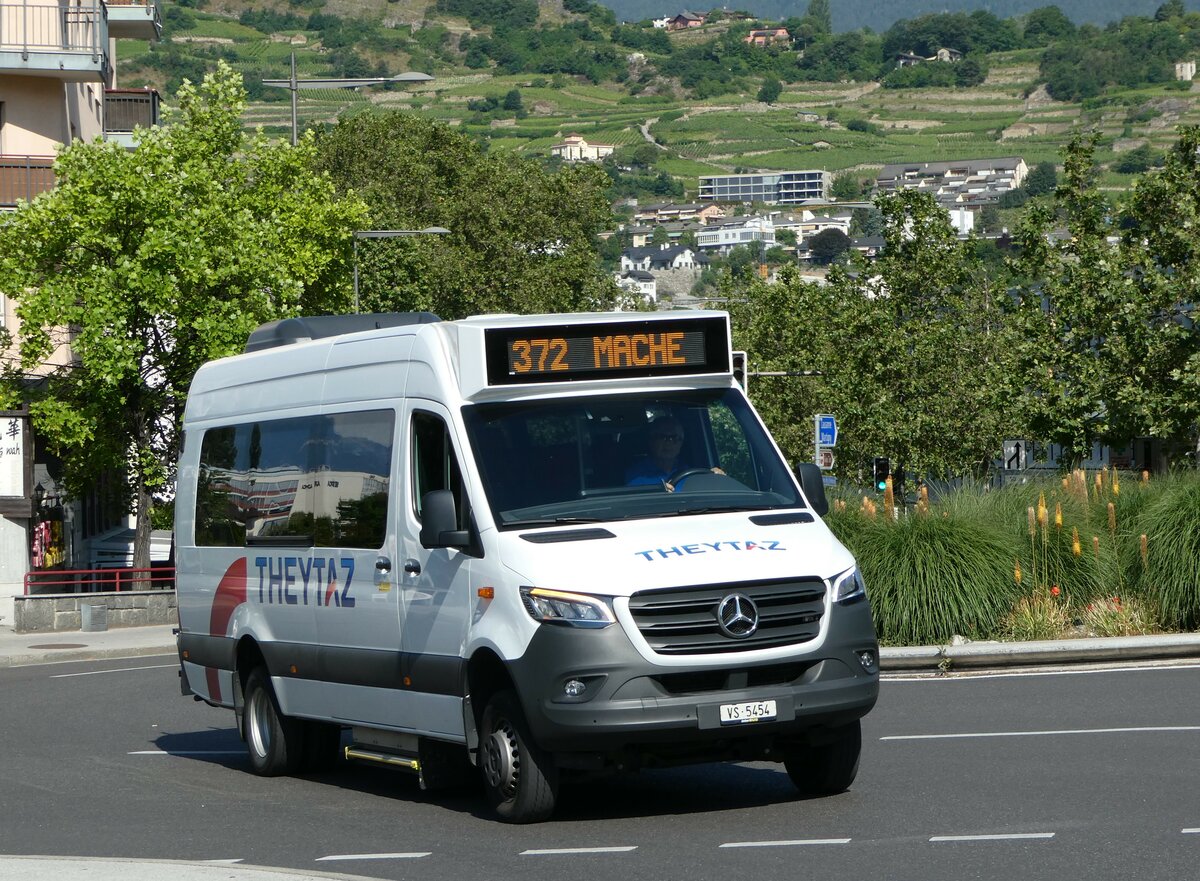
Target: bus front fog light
{"points": [[574, 688], [869, 660]]}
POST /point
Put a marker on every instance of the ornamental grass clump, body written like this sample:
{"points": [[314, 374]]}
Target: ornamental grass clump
{"points": [[931, 577], [1164, 567]]}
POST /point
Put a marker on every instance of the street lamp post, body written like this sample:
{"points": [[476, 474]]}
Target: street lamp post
{"points": [[293, 85], [388, 234]]}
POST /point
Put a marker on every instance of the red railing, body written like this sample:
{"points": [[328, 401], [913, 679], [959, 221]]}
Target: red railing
{"points": [[99, 580]]}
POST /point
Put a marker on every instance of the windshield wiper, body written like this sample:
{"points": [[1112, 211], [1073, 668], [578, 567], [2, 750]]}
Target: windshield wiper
{"points": [[556, 521], [709, 509]]}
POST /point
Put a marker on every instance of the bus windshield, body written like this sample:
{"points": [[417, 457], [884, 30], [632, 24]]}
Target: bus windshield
{"points": [[617, 457]]}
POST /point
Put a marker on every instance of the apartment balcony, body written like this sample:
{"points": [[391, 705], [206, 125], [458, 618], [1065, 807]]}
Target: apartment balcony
{"points": [[127, 109], [66, 41], [134, 19], [23, 177]]}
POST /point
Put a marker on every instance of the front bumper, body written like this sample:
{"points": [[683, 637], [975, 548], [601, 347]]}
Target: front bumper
{"points": [[632, 706]]}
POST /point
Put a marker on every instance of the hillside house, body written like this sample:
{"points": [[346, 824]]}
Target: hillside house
{"points": [[685, 20], [575, 149], [767, 36], [723, 235], [640, 283], [666, 258], [667, 212], [970, 182]]}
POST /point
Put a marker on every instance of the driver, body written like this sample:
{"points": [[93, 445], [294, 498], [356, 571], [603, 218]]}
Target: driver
{"points": [[666, 442]]}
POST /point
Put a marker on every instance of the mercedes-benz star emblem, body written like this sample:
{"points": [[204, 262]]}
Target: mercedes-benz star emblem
{"points": [[737, 616]]}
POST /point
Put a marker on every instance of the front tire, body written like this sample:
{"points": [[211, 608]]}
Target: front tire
{"points": [[521, 780], [829, 768], [274, 741]]}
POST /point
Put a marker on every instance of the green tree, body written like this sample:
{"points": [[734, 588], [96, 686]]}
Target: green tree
{"points": [[1042, 180], [846, 187], [512, 100], [1076, 285], [522, 238], [157, 260], [770, 91], [828, 245], [1160, 394], [916, 358]]}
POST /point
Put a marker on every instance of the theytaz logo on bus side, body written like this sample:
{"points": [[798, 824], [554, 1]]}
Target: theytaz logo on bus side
{"points": [[305, 580], [709, 547]]}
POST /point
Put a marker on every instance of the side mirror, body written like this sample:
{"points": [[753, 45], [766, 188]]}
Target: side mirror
{"points": [[439, 522], [812, 481]]}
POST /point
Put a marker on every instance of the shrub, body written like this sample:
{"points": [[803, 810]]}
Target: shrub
{"points": [[1166, 569]]}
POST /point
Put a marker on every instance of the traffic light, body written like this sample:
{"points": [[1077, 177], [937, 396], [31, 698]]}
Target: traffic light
{"points": [[739, 370], [881, 468]]}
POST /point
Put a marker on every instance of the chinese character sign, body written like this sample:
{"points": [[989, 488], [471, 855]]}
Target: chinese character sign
{"points": [[12, 456]]}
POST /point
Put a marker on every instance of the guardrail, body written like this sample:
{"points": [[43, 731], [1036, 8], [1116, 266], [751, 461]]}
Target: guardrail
{"points": [[126, 109], [63, 581]]}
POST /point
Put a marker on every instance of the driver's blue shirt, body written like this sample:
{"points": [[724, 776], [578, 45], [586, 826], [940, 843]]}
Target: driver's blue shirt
{"points": [[645, 473]]}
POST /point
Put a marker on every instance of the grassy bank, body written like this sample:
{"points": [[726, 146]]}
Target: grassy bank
{"points": [[1096, 554]]}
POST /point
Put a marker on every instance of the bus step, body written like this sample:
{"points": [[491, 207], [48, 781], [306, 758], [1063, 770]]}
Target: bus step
{"points": [[394, 760]]}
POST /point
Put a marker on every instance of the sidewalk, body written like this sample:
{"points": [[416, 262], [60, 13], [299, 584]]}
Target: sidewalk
{"points": [[28, 868], [24, 649]]}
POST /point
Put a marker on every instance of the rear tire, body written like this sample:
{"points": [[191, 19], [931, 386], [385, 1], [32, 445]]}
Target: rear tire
{"points": [[829, 768], [274, 741], [521, 780]]}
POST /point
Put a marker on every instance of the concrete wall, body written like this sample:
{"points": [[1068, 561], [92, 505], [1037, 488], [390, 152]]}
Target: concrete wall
{"points": [[52, 612], [14, 562]]}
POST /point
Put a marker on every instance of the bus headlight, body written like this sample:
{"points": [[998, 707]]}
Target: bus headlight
{"points": [[569, 609], [849, 586]]}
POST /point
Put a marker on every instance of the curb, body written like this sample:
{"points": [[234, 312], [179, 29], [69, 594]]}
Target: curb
{"points": [[62, 656], [66, 868], [976, 655]]}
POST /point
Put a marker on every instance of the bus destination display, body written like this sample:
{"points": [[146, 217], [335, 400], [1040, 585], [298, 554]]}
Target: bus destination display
{"points": [[646, 348]]}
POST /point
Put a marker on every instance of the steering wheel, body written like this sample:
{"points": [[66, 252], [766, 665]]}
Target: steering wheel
{"points": [[685, 473]]}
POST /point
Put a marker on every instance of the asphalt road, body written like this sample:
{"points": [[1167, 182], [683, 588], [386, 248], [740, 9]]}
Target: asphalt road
{"points": [[1068, 776]]}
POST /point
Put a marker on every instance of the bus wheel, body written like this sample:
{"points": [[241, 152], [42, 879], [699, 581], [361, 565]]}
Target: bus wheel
{"points": [[521, 780], [275, 741], [829, 768]]}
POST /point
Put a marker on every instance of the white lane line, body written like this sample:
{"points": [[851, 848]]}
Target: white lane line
{"points": [[1015, 836], [374, 856], [118, 670], [573, 850], [223, 862], [1190, 831], [1144, 730], [967, 676], [186, 752], [793, 843]]}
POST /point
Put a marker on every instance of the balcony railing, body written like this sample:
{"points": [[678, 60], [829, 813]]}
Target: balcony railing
{"points": [[126, 109], [136, 19], [44, 37], [23, 177]]}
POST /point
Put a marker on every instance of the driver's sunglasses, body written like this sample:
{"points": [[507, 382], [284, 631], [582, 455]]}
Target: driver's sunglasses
{"points": [[669, 437]]}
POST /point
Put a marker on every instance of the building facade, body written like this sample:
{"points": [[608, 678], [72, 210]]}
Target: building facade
{"points": [[772, 188], [58, 84]]}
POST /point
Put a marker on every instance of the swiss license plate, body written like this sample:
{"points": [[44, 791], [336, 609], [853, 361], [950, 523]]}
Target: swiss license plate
{"points": [[752, 711]]}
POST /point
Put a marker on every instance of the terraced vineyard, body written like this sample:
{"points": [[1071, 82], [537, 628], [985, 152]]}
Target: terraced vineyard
{"points": [[833, 126]]}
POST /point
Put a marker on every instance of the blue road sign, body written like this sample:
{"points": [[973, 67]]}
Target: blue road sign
{"points": [[826, 431]]}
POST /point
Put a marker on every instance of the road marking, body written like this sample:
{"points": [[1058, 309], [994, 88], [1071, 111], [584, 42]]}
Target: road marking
{"points": [[1145, 730], [573, 850], [1015, 836], [374, 856], [1189, 831], [118, 670], [968, 676], [186, 752], [793, 843], [223, 862]]}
